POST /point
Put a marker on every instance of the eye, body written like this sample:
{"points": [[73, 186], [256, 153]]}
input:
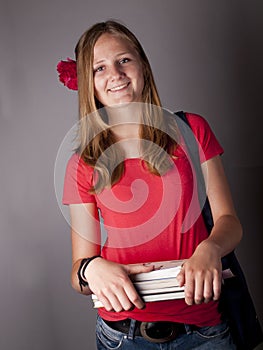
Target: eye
{"points": [[98, 69], [124, 60]]}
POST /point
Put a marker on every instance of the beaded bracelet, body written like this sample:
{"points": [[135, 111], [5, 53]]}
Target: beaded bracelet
{"points": [[82, 267]]}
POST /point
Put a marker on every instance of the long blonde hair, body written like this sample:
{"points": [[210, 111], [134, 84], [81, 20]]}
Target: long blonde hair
{"points": [[95, 135]]}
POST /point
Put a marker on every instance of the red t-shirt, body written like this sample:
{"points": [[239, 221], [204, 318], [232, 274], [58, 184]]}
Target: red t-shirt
{"points": [[151, 218]]}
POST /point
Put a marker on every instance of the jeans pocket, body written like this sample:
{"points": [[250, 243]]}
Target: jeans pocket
{"points": [[106, 337], [219, 331]]}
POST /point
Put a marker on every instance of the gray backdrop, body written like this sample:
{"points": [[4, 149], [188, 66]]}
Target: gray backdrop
{"points": [[207, 58]]}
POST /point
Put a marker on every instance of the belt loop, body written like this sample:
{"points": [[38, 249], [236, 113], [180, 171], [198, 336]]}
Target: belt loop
{"points": [[132, 329], [188, 328]]}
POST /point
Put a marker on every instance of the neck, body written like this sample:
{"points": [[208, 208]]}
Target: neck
{"points": [[124, 120], [124, 113]]}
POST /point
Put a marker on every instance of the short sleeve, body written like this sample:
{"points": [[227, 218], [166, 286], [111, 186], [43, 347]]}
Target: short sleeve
{"points": [[77, 182], [210, 146]]}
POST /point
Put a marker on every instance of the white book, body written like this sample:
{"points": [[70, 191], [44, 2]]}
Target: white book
{"points": [[163, 296], [161, 283], [161, 290], [147, 298], [162, 269]]}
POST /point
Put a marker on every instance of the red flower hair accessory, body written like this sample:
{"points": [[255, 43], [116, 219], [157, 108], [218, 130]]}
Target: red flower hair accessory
{"points": [[68, 73]]}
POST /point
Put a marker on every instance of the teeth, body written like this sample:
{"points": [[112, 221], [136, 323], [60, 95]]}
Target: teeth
{"points": [[119, 87]]}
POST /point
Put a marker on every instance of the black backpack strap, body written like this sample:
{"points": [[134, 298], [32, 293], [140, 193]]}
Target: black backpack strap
{"points": [[193, 152]]}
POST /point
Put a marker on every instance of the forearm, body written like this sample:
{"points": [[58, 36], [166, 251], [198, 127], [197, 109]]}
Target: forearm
{"points": [[225, 235]]}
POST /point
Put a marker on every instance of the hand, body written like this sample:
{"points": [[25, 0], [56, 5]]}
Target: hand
{"points": [[111, 284], [201, 274]]}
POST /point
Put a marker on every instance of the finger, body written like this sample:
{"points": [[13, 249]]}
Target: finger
{"points": [[199, 289], [217, 284], [115, 303], [134, 297], [208, 290], [124, 301], [181, 277], [109, 299], [138, 268], [189, 288], [105, 302], [118, 301]]}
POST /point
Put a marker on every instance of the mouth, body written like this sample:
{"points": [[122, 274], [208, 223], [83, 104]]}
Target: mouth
{"points": [[119, 87]]}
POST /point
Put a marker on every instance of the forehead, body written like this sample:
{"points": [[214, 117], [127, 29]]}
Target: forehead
{"points": [[110, 44]]}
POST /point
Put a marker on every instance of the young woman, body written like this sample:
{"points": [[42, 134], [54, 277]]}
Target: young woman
{"points": [[132, 169]]}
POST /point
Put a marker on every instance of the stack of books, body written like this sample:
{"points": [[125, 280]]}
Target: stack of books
{"points": [[161, 283], [156, 285]]}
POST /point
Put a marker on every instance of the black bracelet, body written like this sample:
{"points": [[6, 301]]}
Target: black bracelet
{"points": [[82, 267]]}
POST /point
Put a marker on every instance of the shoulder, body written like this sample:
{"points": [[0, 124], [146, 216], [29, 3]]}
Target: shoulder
{"points": [[78, 170], [205, 136], [78, 181], [199, 126], [76, 163], [197, 121]]}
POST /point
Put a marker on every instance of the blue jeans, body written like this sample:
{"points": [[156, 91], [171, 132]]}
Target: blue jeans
{"points": [[204, 338]]}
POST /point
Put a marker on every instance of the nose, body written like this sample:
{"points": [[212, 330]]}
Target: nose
{"points": [[115, 71]]}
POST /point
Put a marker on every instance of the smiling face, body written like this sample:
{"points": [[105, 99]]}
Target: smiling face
{"points": [[118, 71]]}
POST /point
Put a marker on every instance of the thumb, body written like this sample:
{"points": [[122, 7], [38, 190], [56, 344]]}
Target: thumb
{"points": [[138, 268]]}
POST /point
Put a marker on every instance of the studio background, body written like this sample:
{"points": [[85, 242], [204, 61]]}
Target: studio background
{"points": [[207, 58]]}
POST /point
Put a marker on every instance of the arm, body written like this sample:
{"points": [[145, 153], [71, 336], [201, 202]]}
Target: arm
{"points": [[201, 274], [85, 238], [108, 280]]}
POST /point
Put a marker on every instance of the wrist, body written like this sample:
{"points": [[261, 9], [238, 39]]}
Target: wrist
{"points": [[81, 271], [209, 245]]}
